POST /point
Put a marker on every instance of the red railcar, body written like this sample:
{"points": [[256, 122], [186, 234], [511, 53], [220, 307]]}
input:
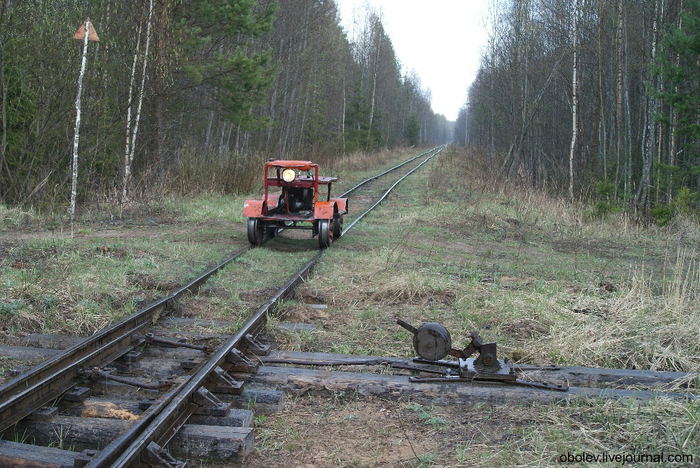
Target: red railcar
{"points": [[292, 201]]}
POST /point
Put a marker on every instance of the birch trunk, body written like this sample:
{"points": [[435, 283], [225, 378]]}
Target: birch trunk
{"points": [[306, 109], [650, 127], [127, 168], [159, 98], [672, 131], [603, 129], [342, 118], [659, 85], [127, 151], [207, 137], [628, 115], [574, 105], [273, 99], [618, 100], [374, 87], [76, 135]]}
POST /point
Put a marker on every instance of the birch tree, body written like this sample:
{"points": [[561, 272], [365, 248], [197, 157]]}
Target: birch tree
{"points": [[574, 101], [649, 139], [131, 133], [618, 95]]}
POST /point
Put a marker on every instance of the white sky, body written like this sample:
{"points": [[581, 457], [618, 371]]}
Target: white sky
{"points": [[441, 40]]}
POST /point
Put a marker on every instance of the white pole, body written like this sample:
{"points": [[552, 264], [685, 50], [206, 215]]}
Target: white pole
{"points": [[76, 137]]}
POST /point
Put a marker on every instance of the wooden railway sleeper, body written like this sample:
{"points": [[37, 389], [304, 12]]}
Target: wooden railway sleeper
{"points": [[489, 379]]}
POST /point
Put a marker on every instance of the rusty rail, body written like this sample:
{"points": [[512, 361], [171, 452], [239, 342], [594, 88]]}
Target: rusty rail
{"points": [[47, 381]]}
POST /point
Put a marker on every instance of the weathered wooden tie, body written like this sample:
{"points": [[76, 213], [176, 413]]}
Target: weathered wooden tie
{"points": [[192, 441], [15, 454]]}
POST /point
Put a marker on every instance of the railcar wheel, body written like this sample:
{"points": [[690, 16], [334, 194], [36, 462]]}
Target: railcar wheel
{"points": [[337, 226], [255, 231], [325, 233]]}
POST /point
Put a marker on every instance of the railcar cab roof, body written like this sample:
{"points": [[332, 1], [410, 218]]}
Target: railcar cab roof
{"points": [[292, 164], [301, 166]]}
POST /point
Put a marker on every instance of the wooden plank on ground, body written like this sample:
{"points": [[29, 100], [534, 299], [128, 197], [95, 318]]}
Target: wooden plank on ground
{"points": [[41, 340], [19, 455], [26, 353], [179, 323], [573, 376], [192, 441], [235, 417], [397, 387], [260, 400], [212, 442]]}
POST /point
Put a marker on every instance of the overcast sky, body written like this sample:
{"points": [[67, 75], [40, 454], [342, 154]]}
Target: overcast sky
{"points": [[441, 40]]}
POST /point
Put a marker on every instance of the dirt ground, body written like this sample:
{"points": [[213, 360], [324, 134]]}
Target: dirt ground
{"points": [[333, 430]]}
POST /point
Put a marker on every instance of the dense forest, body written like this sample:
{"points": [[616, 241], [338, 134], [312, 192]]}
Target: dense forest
{"points": [[177, 93], [593, 98]]}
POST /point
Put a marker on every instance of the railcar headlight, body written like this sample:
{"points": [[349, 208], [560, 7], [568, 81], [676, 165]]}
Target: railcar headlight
{"points": [[289, 175]]}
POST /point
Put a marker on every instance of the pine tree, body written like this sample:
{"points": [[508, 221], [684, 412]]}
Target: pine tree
{"points": [[213, 39], [677, 65]]}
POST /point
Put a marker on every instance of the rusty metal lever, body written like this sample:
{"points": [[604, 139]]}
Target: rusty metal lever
{"points": [[151, 338]]}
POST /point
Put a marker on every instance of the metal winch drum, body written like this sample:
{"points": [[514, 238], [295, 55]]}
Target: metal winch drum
{"points": [[431, 340]]}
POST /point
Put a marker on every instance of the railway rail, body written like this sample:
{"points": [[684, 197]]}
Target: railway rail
{"points": [[143, 440]]}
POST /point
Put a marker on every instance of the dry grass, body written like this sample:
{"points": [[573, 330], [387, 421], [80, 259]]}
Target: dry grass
{"points": [[227, 172], [11, 218], [638, 328], [522, 268], [361, 162]]}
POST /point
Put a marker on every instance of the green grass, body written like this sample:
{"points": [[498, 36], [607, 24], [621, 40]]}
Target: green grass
{"points": [[80, 285]]}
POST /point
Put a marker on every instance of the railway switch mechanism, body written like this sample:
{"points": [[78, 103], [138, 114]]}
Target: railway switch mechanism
{"points": [[432, 342]]}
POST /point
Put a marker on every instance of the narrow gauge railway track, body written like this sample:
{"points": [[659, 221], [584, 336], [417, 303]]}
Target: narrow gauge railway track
{"points": [[45, 383]]}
